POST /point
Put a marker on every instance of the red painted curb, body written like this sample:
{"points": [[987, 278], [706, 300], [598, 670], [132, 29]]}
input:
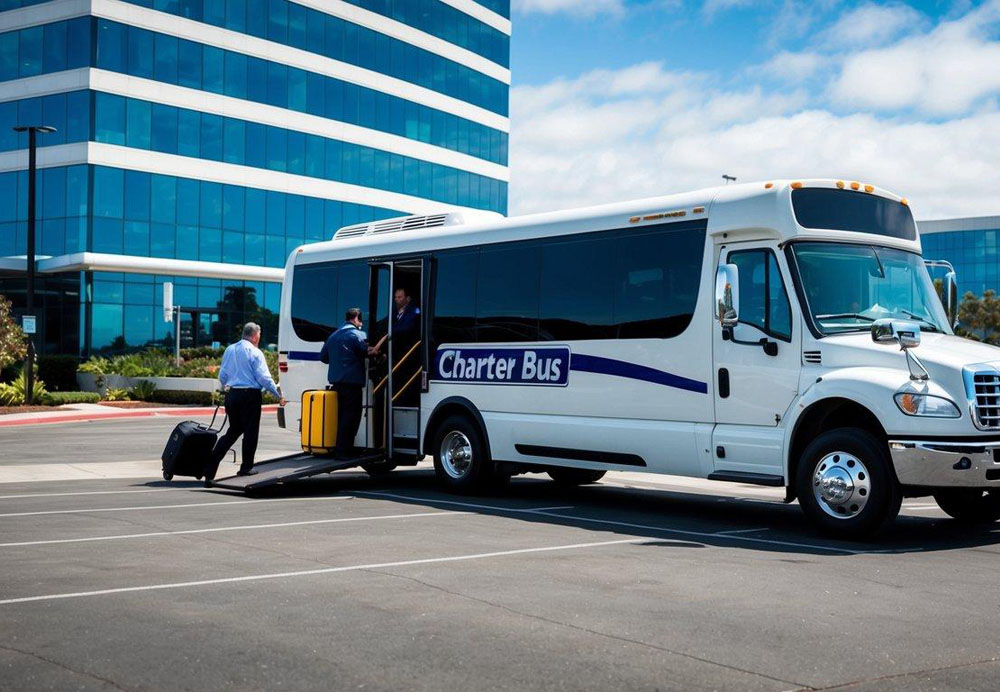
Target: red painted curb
{"points": [[135, 413]]}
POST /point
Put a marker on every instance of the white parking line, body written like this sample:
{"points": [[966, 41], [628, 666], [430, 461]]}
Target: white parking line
{"points": [[230, 528], [96, 492], [396, 496], [324, 570], [648, 527], [231, 503]]}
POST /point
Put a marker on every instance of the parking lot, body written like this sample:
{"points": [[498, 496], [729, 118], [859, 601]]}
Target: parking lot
{"points": [[348, 582]]}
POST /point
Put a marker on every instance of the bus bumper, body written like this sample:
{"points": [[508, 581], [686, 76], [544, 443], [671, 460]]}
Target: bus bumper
{"points": [[959, 464]]}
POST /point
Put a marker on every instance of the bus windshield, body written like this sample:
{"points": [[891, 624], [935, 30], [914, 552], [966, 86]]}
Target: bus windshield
{"points": [[847, 287]]}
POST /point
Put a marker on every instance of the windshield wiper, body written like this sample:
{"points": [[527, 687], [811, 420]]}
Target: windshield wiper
{"points": [[919, 318], [843, 315]]}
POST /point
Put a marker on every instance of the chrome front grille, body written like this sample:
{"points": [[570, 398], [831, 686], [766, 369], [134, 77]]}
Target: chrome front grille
{"points": [[987, 399]]}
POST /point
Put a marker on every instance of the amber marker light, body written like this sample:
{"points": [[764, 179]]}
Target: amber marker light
{"points": [[855, 186], [796, 185], [768, 186], [840, 184], [635, 219], [905, 202], [869, 188], [698, 210]]}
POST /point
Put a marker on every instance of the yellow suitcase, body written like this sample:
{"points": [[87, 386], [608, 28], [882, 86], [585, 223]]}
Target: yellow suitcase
{"points": [[319, 421]]}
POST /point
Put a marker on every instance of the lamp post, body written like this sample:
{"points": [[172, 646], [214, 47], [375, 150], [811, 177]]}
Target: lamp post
{"points": [[29, 374]]}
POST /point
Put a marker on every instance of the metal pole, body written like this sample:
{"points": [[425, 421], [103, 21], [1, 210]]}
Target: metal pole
{"points": [[177, 335], [30, 367]]}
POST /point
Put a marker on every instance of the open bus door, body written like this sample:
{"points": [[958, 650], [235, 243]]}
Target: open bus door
{"points": [[396, 375]]}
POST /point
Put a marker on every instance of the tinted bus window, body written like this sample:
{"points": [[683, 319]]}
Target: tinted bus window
{"points": [[846, 210], [314, 301], [454, 316], [507, 292], [577, 290], [656, 275]]}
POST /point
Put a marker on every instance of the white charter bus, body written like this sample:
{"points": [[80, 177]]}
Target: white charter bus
{"points": [[757, 333]]}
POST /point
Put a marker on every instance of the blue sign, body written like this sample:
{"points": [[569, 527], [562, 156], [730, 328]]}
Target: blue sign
{"points": [[546, 365]]}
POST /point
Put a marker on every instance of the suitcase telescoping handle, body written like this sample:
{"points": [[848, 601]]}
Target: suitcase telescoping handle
{"points": [[224, 419]]}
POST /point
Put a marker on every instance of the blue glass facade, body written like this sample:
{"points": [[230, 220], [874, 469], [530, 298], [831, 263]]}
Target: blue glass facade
{"points": [[148, 211], [975, 253]]}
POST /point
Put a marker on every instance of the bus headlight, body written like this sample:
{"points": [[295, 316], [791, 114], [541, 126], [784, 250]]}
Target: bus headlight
{"points": [[926, 405]]}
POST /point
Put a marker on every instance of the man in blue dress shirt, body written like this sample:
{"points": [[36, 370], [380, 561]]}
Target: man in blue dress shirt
{"points": [[345, 353], [243, 374]]}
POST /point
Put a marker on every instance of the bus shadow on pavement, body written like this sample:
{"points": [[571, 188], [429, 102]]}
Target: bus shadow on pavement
{"points": [[663, 515]]}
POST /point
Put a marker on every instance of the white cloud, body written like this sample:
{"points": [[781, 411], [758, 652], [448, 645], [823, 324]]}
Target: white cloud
{"points": [[580, 8], [790, 67], [660, 132], [947, 71], [871, 25], [713, 7]]}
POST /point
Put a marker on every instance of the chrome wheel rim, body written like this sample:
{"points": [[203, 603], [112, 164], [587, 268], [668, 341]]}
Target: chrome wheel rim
{"points": [[841, 485], [456, 454]]}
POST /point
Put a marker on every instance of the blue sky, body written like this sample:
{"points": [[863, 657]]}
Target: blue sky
{"points": [[617, 99]]}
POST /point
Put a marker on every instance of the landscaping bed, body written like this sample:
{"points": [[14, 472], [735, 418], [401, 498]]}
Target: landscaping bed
{"points": [[141, 404], [4, 410]]}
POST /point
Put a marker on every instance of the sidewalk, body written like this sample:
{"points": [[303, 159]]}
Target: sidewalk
{"points": [[78, 413]]}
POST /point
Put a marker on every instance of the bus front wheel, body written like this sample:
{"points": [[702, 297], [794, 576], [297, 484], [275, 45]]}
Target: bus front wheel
{"points": [[846, 484], [461, 458]]}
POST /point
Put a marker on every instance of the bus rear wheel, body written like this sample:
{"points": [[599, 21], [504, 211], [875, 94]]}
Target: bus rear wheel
{"points": [[969, 505], [461, 459], [846, 485], [568, 477]]}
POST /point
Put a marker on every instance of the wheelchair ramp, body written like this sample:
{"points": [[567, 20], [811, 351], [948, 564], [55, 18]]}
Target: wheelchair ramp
{"points": [[291, 468]]}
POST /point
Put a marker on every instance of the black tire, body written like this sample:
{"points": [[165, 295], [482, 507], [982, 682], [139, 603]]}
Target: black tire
{"points": [[970, 505], [168, 476], [866, 501], [569, 477], [459, 475]]}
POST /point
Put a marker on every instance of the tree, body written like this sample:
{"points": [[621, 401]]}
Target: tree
{"points": [[979, 318], [13, 345]]}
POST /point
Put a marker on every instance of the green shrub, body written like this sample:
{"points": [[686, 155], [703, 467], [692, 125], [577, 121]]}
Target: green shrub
{"points": [[143, 391], [61, 398], [95, 365], [182, 396], [149, 363], [13, 394], [201, 352], [59, 372], [117, 394]]}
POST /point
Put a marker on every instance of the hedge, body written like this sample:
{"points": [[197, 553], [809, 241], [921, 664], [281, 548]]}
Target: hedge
{"points": [[58, 372], [182, 396], [60, 398]]}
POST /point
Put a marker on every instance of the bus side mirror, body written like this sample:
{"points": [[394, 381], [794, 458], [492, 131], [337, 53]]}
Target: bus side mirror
{"points": [[951, 298], [727, 295], [902, 332]]}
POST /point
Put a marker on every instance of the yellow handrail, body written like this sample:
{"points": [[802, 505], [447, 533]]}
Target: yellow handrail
{"points": [[395, 368], [408, 383]]}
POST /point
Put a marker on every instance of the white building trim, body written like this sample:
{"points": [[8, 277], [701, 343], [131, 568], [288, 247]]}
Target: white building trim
{"points": [[191, 30], [101, 154], [45, 13], [965, 223], [483, 14], [228, 106], [132, 264], [408, 34]]}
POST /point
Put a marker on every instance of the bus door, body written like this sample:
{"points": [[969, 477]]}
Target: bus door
{"points": [[397, 372], [757, 363]]}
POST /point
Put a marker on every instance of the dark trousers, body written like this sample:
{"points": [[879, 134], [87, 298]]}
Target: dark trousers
{"points": [[243, 409], [348, 415]]}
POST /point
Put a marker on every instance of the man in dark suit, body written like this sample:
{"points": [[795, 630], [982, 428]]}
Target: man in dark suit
{"points": [[345, 353], [406, 323]]}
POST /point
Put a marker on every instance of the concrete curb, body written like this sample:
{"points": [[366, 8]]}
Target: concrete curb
{"points": [[40, 418]]}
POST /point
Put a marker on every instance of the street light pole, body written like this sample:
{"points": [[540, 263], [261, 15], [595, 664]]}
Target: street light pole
{"points": [[29, 373]]}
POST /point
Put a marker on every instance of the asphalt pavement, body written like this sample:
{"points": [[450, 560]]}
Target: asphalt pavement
{"points": [[348, 582]]}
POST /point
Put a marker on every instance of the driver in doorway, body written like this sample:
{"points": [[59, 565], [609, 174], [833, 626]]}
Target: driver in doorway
{"points": [[345, 353], [406, 323]]}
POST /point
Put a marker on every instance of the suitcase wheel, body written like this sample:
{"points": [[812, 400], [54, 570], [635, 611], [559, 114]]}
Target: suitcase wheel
{"points": [[168, 476]]}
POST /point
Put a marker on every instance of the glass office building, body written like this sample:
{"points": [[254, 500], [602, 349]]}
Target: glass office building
{"points": [[971, 244], [202, 141]]}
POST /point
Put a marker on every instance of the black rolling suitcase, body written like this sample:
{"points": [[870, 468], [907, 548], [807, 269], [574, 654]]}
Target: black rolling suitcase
{"points": [[189, 449]]}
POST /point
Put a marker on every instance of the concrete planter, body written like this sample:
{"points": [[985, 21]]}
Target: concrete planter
{"points": [[88, 383]]}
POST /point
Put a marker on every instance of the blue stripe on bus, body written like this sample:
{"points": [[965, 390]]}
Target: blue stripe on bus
{"points": [[620, 368], [597, 365]]}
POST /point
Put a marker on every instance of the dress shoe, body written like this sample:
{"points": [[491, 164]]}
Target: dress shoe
{"points": [[241, 472]]}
